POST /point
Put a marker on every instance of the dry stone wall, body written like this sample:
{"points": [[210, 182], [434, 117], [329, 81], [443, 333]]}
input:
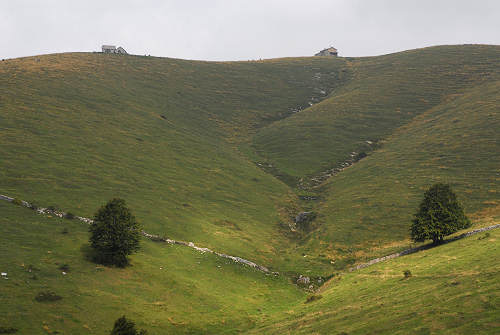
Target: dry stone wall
{"points": [[424, 247], [152, 237]]}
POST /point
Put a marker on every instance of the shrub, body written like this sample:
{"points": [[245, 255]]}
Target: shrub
{"points": [[47, 296], [313, 297], [360, 156], [64, 267], [17, 202], [407, 273], [439, 215], [52, 208], [69, 216], [7, 330], [65, 231], [123, 326], [114, 234], [484, 236], [33, 206], [304, 220]]}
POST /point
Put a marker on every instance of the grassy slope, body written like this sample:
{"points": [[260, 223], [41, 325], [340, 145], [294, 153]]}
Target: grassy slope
{"points": [[79, 129], [385, 92], [454, 290], [454, 142], [168, 289]]}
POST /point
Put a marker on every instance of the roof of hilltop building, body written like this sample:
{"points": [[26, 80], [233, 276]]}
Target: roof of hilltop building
{"points": [[113, 49], [331, 51]]}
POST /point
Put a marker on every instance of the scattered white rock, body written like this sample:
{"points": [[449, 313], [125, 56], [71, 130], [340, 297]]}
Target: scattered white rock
{"points": [[152, 237], [303, 280]]}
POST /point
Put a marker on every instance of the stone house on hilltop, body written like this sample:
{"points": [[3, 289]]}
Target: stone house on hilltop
{"points": [[331, 51], [111, 49]]}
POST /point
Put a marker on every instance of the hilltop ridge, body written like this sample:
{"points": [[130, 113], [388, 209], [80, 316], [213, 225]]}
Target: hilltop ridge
{"points": [[213, 152], [305, 166]]}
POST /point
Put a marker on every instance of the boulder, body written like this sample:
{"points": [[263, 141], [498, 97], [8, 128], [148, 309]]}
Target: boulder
{"points": [[303, 280], [304, 217]]}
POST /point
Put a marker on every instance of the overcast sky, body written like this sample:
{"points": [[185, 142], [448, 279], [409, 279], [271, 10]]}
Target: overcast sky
{"points": [[240, 30]]}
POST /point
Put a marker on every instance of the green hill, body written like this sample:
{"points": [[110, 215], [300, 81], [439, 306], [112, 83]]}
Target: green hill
{"points": [[385, 93], [168, 289], [222, 154], [79, 129], [454, 143], [174, 289], [453, 289]]}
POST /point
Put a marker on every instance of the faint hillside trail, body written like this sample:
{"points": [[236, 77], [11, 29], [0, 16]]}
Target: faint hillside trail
{"points": [[423, 247], [152, 237]]}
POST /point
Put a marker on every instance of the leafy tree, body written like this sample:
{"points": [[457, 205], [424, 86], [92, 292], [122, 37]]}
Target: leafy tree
{"points": [[439, 214], [114, 234], [126, 327]]}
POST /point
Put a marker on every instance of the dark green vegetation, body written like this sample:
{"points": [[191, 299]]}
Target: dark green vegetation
{"points": [[439, 215], [47, 296], [114, 234], [123, 326], [218, 154], [8, 330]]}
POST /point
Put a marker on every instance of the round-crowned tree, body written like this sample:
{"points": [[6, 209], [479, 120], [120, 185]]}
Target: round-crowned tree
{"points": [[114, 234], [124, 326], [439, 214]]}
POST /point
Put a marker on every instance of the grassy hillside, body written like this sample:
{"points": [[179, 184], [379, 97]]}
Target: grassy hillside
{"points": [[455, 142], [453, 289], [211, 152], [168, 289], [174, 289], [79, 129], [385, 92]]}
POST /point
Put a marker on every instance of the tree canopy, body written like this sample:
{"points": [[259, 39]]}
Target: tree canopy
{"points": [[439, 214], [114, 234], [123, 326]]}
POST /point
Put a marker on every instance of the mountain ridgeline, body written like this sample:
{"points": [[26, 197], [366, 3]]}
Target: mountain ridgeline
{"points": [[215, 152], [305, 166]]}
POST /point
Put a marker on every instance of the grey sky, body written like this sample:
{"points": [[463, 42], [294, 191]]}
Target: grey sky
{"points": [[238, 30]]}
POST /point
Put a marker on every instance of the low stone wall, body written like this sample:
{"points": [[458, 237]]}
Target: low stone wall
{"points": [[152, 237], [204, 250], [4, 197], [423, 247], [250, 263]]}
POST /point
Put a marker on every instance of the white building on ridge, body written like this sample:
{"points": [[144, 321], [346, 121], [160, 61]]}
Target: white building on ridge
{"points": [[111, 49]]}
